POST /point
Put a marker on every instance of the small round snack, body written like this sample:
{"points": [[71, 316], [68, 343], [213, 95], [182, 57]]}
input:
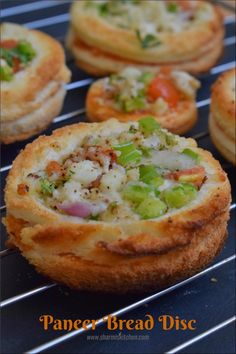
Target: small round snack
{"points": [[223, 115], [117, 207], [106, 36], [168, 95], [33, 76]]}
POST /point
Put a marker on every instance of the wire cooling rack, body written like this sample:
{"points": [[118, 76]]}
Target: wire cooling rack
{"points": [[207, 297]]}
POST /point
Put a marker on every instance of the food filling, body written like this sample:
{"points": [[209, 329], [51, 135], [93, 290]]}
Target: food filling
{"points": [[14, 56], [149, 18], [134, 90], [142, 172]]}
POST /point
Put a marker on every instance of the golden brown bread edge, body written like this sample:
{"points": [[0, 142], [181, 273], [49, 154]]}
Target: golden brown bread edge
{"points": [[222, 120], [121, 274], [38, 120], [100, 63], [128, 257], [47, 67], [35, 95], [104, 58], [178, 121]]}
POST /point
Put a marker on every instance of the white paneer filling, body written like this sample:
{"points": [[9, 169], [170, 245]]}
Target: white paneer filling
{"points": [[138, 173]]}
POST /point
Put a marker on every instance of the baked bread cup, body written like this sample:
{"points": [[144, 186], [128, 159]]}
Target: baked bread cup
{"points": [[33, 76], [117, 207], [132, 94], [223, 115], [106, 36]]}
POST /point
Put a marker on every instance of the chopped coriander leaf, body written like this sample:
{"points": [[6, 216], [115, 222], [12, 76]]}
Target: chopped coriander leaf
{"points": [[132, 129], [6, 55], [103, 9], [170, 139], [146, 151], [93, 217], [172, 7], [46, 186], [148, 125], [192, 154], [149, 41]]}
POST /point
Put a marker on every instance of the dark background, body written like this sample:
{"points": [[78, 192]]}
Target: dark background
{"points": [[209, 299]]}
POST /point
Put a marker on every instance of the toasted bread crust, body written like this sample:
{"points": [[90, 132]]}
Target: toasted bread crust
{"points": [[118, 273], [223, 115], [102, 49], [34, 122], [97, 255], [33, 87], [178, 121]]}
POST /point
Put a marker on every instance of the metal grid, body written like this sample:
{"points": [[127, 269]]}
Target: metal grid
{"points": [[52, 17]]}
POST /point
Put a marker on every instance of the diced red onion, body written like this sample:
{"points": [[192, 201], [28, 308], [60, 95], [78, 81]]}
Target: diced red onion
{"points": [[80, 209]]}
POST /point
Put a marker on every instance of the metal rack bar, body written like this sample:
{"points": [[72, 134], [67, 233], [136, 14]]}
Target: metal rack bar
{"points": [[133, 306], [19, 297], [49, 21], [34, 6], [201, 336], [223, 67]]}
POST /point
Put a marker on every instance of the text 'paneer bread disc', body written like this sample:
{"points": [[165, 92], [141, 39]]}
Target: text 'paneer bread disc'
{"points": [[107, 36], [117, 207], [33, 77], [223, 115], [168, 95]]}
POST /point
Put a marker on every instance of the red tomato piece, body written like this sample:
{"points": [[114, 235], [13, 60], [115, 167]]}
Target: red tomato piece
{"points": [[16, 65], [163, 87], [195, 175], [8, 43]]}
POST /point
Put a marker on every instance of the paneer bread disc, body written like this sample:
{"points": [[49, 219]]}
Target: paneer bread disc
{"points": [[117, 207]]}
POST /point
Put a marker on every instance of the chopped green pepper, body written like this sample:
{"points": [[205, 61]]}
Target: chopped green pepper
{"points": [[150, 208], [148, 125], [25, 51], [172, 7], [179, 196], [129, 153], [146, 78], [133, 104], [6, 73], [136, 193], [149, 175], [192, 154]]}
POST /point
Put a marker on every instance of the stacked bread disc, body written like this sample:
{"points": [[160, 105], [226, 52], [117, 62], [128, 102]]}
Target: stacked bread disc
{"points": [[34, 95], [83, 219], [223, 115], [106, 36]]}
